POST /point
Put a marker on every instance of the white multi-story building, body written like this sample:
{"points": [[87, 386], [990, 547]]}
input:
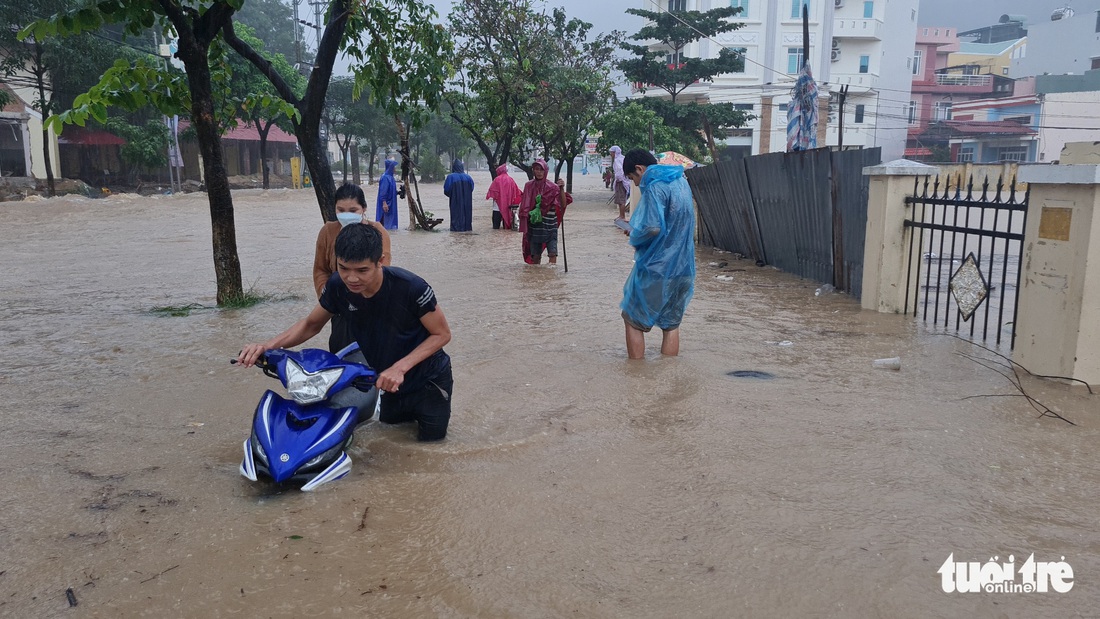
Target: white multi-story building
{"points": [[866, 45]]}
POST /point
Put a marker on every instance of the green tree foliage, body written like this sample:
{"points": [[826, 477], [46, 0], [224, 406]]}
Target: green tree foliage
{"points": [[201, 91], [272, 21], [350, 120], [628, 127], [500, 47], [572, 92], [45, 66], [397, 53], [146, 145], [530, 83], [660, 64], [259, 103], [663, 65], [699, 124]]}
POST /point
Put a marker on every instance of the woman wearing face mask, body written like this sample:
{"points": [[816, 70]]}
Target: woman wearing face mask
{"points": [[351, 208]]}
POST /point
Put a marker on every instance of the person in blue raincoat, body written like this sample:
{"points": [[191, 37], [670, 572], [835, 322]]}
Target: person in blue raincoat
{"points": [[459, 187], [662, 231], [385, 211]]}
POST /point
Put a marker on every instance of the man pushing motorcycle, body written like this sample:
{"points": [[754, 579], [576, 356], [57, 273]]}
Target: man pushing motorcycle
{"points": [[398, 324]]}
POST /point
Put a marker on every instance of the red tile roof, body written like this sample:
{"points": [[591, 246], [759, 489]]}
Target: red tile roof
{"points": [[88, 137], [248, 133], [998, 127]]}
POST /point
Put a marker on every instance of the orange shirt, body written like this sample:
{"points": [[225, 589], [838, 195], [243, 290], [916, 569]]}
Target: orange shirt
{"points": [[324, 261]]}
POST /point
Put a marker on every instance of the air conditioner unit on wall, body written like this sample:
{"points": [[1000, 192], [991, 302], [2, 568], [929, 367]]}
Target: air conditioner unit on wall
{"points": [[835, 55], [836, 44], [839, 3]]}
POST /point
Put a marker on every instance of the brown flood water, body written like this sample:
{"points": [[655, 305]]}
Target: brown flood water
{"points": [[573, 483]]}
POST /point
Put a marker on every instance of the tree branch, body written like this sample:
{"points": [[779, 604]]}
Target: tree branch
{"points": [[262, 64]]}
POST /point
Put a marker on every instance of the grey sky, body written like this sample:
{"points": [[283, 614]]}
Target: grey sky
{"points": [[970, 14]]}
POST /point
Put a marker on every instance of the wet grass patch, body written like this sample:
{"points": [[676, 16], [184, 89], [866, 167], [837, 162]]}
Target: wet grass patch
{"points": [[248, 298], [178, 310], [751, 374], [252, 297]]}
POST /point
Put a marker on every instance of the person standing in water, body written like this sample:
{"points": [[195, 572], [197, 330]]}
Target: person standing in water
{"points": [[385, 209], [459, 187], [662, 231], [351, 207], [504, 192], [547, 201]]}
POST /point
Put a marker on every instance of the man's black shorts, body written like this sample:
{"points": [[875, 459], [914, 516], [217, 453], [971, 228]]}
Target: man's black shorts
{"points": [[429, 406]]}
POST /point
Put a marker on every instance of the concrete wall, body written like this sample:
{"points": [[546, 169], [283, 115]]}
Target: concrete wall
{"points": [[1058, 324], [1067, 117]]}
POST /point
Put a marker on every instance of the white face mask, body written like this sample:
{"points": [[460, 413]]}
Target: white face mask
{"points": [[347, 219]]}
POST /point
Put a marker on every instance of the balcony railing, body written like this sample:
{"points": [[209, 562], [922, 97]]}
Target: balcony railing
{"points": [[957, 79], [857, 29]]}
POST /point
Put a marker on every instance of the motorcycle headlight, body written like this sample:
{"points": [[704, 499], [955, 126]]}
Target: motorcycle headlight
{"points": [[258, 450], [307, 388]]}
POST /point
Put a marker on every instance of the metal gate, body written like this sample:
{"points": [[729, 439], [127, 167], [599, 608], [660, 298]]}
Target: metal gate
{"points": [[964, 260]]}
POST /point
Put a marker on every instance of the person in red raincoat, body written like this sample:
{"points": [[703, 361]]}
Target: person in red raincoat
{"points": [[504, 192], [551, 200]]}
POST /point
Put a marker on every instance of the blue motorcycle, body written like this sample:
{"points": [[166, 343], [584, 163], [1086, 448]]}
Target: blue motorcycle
{"points": [[305, 439]]}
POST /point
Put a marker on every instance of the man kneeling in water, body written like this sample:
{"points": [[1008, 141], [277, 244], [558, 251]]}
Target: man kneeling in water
{"points": [[400, 327]]}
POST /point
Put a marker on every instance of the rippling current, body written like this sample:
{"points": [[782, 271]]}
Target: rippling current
{"points": [[573, 483]]}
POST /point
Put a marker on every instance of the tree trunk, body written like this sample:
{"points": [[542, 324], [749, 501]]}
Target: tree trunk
{"points": [[355, 163], [370, 160], [569, 174], [316, 159], [263, 129], [710, 139], [227, 266], [40, 78]]}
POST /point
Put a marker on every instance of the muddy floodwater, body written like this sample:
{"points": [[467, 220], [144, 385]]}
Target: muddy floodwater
{"points": [[573, 483]]}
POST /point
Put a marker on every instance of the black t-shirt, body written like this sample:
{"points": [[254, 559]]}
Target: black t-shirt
{"points": [[387, 325]]}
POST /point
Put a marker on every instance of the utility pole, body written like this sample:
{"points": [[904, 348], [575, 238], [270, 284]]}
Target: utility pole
{"points": [[843, 94], [297, 37]]}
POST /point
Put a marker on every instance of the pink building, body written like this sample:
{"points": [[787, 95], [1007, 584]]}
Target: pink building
{"points": [[937, 87]]}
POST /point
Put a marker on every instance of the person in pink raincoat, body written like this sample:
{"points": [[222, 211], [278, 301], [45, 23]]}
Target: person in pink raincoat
{"points": [[505, 193], [550, 198]]}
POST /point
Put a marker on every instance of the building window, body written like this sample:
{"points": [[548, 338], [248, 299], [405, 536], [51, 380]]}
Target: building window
{"points": [[864, 64], [781, 115], [743, 5], [912, 112], [868, 9], [966, 153], [943, 111], [677, 6], [674, 60], [859, 114], [794, 60], [1098, 21], [917, 55], [796, 8], [1096, 63], [744, 107], [1023, 120], [1012, 153]]}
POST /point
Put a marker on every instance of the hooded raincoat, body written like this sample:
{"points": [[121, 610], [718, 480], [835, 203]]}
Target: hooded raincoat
{"points": [[621, 185], [504, 192], [550, 193], [663, 235], [387, 192], [459, 187]]}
